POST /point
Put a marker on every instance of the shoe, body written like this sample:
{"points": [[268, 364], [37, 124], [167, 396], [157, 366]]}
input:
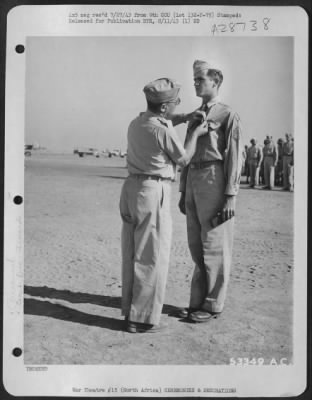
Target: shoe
{"points": [[137, 327], [184, 312], [203, 316]]}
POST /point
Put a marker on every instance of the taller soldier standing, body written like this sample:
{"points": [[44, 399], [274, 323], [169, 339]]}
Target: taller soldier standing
{"points": [[154, 149], [208, 187]]}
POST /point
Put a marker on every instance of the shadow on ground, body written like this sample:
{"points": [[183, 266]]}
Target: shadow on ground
{"points": [[49, 309], [111, 177], [73, 297]]}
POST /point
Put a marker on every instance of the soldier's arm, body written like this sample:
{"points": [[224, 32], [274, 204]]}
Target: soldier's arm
{"points": [[233, 159], [184, 171], [259, 157], [191, 142], [178, 119], [275, 155], [170, 143], [232, 165]]}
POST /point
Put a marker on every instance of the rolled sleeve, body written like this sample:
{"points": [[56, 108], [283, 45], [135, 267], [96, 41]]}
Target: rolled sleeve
{"points": [[233, 155], [178, 119]]}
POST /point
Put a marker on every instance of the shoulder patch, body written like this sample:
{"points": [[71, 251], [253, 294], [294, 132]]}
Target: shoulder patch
{"points": [[237, 134]]}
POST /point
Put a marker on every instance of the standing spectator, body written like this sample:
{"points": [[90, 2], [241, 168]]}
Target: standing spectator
{"points": [[246, 164], [270, 156], [279, 166], [288, 163], [254, 160]]}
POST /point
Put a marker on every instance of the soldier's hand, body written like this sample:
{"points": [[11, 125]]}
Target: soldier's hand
{"points": [[182, 203], [202, 129], [228, 210], [197, 115]]}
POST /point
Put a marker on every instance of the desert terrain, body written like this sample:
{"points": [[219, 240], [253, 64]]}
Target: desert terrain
{"points": [[72, 274]]}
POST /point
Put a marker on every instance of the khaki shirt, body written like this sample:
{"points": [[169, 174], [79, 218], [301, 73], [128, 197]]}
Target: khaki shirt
{"points": [[288, 148], [270, 150], [153, 146], [223, 142], [254, 153]]}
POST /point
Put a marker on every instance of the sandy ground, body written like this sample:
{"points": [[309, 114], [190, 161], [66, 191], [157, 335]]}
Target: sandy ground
{"points": [[73, 274]]}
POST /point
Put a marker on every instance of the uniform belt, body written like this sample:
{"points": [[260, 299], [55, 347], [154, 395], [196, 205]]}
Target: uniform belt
{"points": [[151, 177], [203, 164]]}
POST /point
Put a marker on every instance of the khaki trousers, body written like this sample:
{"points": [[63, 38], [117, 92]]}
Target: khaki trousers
{"points": [[288, 173], [145, 242], [211, 248], [269, 171], [254, 172]]}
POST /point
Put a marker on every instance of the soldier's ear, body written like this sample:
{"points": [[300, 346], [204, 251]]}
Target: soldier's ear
{"points": [[163, 107]]}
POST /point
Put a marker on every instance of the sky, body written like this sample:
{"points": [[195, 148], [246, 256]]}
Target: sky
{"points": [[84, 91]]}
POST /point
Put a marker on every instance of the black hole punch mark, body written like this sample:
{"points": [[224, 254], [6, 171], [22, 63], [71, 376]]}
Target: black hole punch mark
{"points": [[17, 352], [18, 199], [19, 49]]}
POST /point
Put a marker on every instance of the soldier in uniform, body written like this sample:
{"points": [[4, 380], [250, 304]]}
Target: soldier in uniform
{"points": [[279, 165], [208, 187], [270, 157], [288, 163], [246, 163], [254, 159], [154, 149]]}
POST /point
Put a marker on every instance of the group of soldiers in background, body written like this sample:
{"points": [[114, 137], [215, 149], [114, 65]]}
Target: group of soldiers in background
{"points": [[270, 165]]}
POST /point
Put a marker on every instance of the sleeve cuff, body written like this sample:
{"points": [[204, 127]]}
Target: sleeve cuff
{"points": [[231, 189]]}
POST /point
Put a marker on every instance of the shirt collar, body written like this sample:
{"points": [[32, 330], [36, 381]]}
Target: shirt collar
{"points": [[213, 101], [149, 114]]}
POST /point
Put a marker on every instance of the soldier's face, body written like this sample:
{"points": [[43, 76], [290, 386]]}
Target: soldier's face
{"points": [[204, 85]]}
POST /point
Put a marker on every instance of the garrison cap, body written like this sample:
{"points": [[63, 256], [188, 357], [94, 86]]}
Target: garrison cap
{"points": [[162, 90], [200, 66]]}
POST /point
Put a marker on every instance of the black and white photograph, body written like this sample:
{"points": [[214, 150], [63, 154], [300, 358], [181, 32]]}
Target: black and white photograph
{"points": [[155, 205]]}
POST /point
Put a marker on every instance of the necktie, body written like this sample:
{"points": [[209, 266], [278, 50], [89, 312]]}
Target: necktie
{"points": [[204, 107]]}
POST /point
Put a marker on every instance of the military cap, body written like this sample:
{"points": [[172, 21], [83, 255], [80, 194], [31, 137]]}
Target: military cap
{"points": [[200, 66], [253, 140], [162, 90]]}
